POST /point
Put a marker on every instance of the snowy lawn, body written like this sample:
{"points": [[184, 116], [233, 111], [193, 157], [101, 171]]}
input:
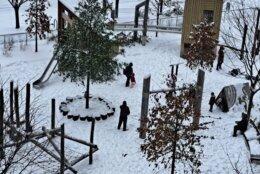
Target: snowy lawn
{"points": [[119, 152]]}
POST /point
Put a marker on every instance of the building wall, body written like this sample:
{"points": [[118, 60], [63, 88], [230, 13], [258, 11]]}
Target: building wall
{"points": [[193, 14], [65, 18]]}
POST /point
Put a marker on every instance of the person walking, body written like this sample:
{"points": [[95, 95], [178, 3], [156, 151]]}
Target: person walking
{"points": [[124, 112], [128, 73], [212, 101], [220, 57]]}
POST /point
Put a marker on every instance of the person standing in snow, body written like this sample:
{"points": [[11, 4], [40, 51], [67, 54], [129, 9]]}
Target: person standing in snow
{"points": [[132, 79], [212, 101], [128, 73], [220, 57], [124, 112]]}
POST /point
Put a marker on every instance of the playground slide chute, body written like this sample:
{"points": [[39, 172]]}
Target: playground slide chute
{"points": [[46, 74]]}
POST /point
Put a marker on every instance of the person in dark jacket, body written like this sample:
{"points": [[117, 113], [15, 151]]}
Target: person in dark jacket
{"points": [[220, 57], [124, 112], [212, 101], [128, 73], [241, 125]]}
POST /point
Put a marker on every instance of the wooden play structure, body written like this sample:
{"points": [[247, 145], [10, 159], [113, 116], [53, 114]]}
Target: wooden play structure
{"points": [[146, 93], [196, 11], [17, 129]]}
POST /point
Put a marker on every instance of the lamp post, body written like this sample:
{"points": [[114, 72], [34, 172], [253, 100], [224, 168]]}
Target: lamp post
{"points": [[36, 26]]}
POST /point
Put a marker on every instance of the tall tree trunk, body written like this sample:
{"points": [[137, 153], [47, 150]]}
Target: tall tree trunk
{"points": [[87, 93], [174, 151], [17, 20], [249, 106], [117, 5]]}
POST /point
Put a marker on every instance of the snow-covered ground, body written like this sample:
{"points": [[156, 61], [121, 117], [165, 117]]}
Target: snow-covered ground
{"points": [[119, 152]]}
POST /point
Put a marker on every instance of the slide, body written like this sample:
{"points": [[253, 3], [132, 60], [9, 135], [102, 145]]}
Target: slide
{"points": [[46, 74]]}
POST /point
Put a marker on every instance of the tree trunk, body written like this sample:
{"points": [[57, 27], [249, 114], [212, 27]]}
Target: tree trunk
{"points": [[249, 106], [17, 20], [146, 11], [87, 93], [174, 150], [117, 5]]}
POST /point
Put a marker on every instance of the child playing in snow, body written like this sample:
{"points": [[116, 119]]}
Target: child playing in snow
{"points": [[212, 101], [132, 80]]}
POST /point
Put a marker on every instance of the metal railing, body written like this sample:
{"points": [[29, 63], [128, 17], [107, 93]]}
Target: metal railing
{"points": [[22, 37]]}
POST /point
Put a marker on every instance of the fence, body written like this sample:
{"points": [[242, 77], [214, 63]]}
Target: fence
{"points": [[175, 21], [22, 37]]}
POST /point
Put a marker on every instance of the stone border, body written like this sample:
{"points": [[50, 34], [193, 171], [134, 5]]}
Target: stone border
{"points": [[65, 110]]}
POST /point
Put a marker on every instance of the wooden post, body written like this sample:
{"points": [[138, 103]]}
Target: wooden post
{"points": [[198, 98], [91, 141], [177, 68], [11, 101], [2, 154], [136, 22], [87, 92], [27, 109], [144, 109], [16, 107], [53, 115], [51, 141], [172, 69], [243, 43], [146, 10], [62, 150], [137, 13]]}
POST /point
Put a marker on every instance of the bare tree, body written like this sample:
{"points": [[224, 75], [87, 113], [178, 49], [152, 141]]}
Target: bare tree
{"points": [[171, 136], [20, 156], [16, 4], [243, 30]]}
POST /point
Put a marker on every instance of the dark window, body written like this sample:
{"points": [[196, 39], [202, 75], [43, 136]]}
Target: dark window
{"points": [[186, 45], [208, 15]]}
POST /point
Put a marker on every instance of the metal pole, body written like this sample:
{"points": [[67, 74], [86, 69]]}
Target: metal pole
{"points": [[2, 154], [53, 115], [36, 26], [62, 151]]}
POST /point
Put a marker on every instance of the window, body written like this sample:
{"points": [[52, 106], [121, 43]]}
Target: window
{"points": [[208, 15]]}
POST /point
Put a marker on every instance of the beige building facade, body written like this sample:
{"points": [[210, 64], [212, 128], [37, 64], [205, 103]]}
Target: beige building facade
{"points": [[196, 11]]}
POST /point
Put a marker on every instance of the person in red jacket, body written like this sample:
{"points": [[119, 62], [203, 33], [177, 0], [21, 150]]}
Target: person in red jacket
{"points": [[132, 80]]}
